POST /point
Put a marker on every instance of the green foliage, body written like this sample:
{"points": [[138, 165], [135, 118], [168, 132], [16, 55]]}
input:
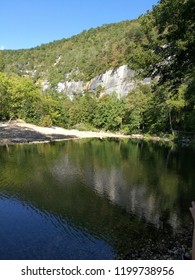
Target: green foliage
{"points": [[88, 111], [168, 52], [82, 110], [3, 97], [135, 106], [2, 64], [175, 21], [85, 127], [170, 33], [21, 98], [80, 57], [16, 95], [189, 110], [157, 112], [109, 113], [46, 121]]}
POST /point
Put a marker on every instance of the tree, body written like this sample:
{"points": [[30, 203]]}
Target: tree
{"points": [[157, 112], [168, 52], [4, 96], [136, 104], [189, 110], [2, 64], [82, 110], [109, 113], [175, 105], [174, 25]]}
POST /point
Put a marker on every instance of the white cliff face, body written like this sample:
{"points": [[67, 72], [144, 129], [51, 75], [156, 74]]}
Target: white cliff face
{"points": [[120, 81], [69, 88]]}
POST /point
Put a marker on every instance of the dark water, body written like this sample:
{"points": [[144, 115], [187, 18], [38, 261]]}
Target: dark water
{"points": [[92, 199]]}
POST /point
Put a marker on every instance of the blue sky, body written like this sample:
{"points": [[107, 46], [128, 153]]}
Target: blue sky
{"points": [[29, 23]]}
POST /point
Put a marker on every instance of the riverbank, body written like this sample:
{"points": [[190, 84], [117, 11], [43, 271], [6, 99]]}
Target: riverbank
{"points": [[18, 131], [178, 247]]}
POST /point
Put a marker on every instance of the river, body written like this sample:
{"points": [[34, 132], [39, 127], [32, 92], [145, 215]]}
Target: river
{"points": [[94, 199]]}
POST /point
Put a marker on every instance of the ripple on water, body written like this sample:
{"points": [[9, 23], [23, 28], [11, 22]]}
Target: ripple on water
{"points": [[29, 233]]}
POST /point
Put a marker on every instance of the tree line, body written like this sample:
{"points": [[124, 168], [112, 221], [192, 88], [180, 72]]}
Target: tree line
{"points": [[141, 111]]}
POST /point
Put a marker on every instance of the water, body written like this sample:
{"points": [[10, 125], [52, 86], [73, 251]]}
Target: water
{"points": [[92, 199]]}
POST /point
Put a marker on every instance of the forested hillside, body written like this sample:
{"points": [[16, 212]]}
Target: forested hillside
{"points": [[82, 57], [160, 44]]}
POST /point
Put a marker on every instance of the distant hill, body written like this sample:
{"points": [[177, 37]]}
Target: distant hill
{"points": [[81, 57]]}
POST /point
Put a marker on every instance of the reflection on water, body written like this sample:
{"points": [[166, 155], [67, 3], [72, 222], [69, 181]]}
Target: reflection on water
{"points": [[55, 236], [91, 199]]}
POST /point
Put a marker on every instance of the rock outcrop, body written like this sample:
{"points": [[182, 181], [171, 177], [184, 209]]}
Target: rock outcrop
{"points": [[71, 87], [120, 80]]}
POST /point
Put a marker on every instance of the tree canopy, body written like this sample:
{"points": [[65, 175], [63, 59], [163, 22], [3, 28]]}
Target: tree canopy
{"points": [[174, 22]]}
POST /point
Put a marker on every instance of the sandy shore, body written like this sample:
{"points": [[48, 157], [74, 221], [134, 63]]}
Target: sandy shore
{"points": [[20, 132]]}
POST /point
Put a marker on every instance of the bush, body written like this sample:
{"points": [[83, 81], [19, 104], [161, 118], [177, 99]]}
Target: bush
{"points": [[85, 127], [45, 121], [125, 129]]}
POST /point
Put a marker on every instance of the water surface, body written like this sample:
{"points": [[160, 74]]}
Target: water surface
{"points": [[92, 199]]}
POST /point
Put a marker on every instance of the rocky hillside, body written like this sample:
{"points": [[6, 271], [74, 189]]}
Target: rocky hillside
{"points": [[120, 81], [94, 59]]}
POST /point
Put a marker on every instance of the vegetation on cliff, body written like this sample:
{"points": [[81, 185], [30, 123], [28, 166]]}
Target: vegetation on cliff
{"points": [[80, 57]]}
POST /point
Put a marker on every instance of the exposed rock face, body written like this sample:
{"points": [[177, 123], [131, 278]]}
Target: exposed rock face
{"points": [[72, 87], [120, 81]]}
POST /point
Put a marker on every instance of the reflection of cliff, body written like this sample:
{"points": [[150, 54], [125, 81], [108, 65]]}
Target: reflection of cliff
{"points": [[130, 197], [53, 185], [133, 198], [127, 182], [108, 188], [64, 170]]}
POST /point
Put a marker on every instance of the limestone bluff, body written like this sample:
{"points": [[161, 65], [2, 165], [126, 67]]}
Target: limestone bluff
{"points": [[120, 80]]}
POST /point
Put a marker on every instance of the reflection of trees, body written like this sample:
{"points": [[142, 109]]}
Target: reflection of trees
{"points": [[135, 176], [52, 186], [106, 187]]}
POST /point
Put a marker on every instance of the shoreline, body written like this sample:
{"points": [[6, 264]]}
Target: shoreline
{"points": [[20, 132]]}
